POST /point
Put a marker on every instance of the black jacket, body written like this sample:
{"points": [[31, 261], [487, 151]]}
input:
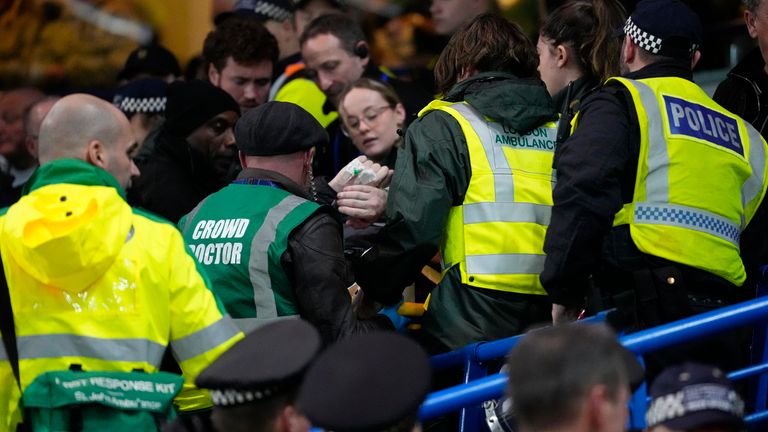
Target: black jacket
{"points": [[596, 170], [744, 91], [174, 179], [316, 268]]}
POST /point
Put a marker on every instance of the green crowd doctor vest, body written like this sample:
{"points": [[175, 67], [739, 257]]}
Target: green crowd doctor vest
{"points": [[496, 235], [701, 176], [238, 236]]}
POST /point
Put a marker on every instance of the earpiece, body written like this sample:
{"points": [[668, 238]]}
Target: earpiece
{"points": [[361, 49]]}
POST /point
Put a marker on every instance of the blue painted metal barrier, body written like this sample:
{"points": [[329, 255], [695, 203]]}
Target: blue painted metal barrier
{"points": [[473, 393]]}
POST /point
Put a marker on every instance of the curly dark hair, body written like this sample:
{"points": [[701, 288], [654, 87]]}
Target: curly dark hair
{"points": [[244, 39]]}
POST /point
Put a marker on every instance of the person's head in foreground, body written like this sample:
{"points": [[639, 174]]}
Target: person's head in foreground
{"points": [[571, 378], [373, 382]]}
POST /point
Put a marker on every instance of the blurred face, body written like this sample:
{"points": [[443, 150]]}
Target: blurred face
{"points": [[247, 84], [333, 66], [371, 122], [449, 15], [757, 24], [216, 141], [548, 68], [120, 155], [12, 134]]}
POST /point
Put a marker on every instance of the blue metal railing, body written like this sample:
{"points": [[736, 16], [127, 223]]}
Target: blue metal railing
{"points": [[475, 392]]}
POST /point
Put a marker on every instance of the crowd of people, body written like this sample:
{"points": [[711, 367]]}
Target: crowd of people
{"points": [[253, 226]]}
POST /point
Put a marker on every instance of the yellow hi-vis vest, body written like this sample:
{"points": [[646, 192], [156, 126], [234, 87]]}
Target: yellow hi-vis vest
{"points": [[496, 235], [701, 175]]}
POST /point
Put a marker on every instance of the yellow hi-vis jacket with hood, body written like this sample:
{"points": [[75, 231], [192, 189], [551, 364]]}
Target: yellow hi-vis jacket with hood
{"points": [[97, 284]]}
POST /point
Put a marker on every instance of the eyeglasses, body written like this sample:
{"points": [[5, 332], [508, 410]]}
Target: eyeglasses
{"points": [[352, 124]]}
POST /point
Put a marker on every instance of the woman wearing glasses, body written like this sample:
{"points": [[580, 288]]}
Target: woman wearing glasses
{"points": [[372, 116]]}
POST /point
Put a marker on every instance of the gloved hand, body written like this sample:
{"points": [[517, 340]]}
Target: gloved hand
{"points": [[400, 322]]}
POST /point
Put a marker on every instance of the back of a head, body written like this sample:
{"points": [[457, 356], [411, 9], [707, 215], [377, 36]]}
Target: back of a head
{"points": [[487, 43], [243, 39], [370, 382], [73, 122], [552, 369], [588, 27], [344, 28]]}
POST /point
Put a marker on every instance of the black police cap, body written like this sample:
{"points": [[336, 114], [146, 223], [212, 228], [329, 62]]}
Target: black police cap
{"points": [[693, 395], [277, 128], [267, 361], [665, 27], [369, 382]]}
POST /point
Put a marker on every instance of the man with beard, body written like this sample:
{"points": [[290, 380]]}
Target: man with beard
{"points": [[654, 191], [270, 250], [194, 150]]}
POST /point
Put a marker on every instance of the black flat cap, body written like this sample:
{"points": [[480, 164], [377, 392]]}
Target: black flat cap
{"points": [[270, 359], [277, 128], [693, 395], [369, 382], [665, 27]]}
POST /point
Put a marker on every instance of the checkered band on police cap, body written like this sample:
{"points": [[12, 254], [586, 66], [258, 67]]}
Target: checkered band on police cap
{"points": [[642, 38], [133, 105], [272, 10]]}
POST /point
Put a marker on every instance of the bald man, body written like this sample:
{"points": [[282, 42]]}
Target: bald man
{"points": [[20, 163], [119, 283]]}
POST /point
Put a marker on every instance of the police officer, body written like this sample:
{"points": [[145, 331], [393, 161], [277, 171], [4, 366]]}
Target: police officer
{"points": [[654, 189], [270, 250], [368, 383], [254, 385]]}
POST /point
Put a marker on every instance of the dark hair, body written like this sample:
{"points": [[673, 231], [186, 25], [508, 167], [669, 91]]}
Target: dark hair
{"points": [[344, 28], [488, 43], [751, 5], [244, 39], [552, 370], [587, 27]]}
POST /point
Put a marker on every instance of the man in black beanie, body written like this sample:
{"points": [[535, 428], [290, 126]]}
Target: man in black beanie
{"points": [[270, 250], [194, 152]]}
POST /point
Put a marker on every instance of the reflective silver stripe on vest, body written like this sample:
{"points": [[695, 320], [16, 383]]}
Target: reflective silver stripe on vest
{"points": [[507, 212], [757, 160], [505, 264], [258, 266], [277, 84], [192, 215], [68, 345], [503, 181], [657, 181], [206, 339], [3, 354], [247, 325], [688, 217]]}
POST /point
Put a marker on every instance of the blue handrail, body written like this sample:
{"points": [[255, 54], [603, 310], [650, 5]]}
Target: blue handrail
{"points": [[475, 392], [485, 351]]}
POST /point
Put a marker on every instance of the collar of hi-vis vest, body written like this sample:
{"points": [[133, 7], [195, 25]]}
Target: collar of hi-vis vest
{"points": [[72, 171]]}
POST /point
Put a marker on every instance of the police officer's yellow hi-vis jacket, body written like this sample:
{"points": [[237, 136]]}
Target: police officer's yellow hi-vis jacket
{"points": [[97, 284], [497, 234], [701, 176]]}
